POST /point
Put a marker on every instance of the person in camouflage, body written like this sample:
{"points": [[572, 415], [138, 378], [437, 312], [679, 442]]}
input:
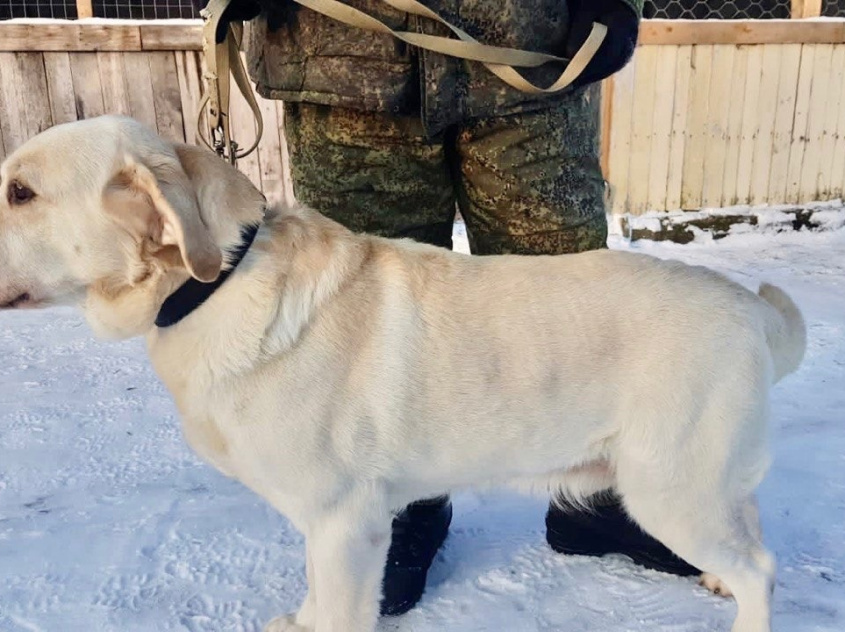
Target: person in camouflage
{"points": [[388, 139]]}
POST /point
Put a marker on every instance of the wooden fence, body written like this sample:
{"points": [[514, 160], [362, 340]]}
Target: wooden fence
{"points": [[708, 114]]}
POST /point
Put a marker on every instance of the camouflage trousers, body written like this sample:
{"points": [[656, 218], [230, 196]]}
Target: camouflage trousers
{"points": [[527, 183]]}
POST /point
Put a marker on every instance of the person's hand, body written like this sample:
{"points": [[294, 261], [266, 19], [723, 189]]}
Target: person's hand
{"points": [[618, 47], [243, 11]]}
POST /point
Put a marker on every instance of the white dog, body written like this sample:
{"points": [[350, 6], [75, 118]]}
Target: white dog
{"points": [[342, 376]]}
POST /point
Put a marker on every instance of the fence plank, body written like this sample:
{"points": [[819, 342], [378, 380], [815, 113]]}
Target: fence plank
{"points": [[60, 86], [761, 168], [837, 169], [12, 115], [68, 37], [734, 130], [835, 104], [678, 32], [166, 96], [683, 74], [139, 90], [721, 86], [188, 69], [800, 122], [86, 85], [692, 186], [620, 139], [784, 115], [35, 95], [243, 131], [661, 124], [815, 129], [270, 154], [750, 123], [645, 87], [114, 79]]}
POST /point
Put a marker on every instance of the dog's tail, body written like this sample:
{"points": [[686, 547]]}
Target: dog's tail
{"points": [[786, 332]]}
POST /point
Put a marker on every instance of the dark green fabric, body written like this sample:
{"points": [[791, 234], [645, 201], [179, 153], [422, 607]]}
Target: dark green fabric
{"points": [[527, 183], [314, 59]]}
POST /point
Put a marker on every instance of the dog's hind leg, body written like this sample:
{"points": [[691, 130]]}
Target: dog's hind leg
{"points": [[707, 529]]}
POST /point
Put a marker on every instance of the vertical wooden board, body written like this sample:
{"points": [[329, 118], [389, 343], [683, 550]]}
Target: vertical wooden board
{"points": [[270, 154], [837, 169], [692, 186], [188, 70], [677, 141], [139, 87], [750, 124], [86, 85], [286, 173], [815, 130], [800, 122], [35, 96], [641, 128], [620, 139], [717, 125], [734, 130], [113, 79], [12, 117], [828, 181], [243, 131], [784, 117], [166, 95], [661, 125], [60, 86], [766, 110], [606, 124]]}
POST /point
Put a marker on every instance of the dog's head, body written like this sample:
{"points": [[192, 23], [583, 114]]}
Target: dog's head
{"points": [[104, 210]]}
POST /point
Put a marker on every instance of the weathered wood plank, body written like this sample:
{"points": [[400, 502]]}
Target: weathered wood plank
{"points": [[815, 130], [113, 78], [679, 32], [692, 186], [683, 75], [784, 116], [620, 139], [280, 116], [189, 71], [661, 124], [243, 131], [734, 131], [166, 96], [641, 129], [716, 146], [68, 36], [766, 111], [800, 122], [12, 116], [270, 154], [60, 85], [835, 105], [86, 85], [35, 97], [171, 37], [139, 91]]}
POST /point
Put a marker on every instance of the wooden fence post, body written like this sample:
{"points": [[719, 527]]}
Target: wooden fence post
{"points": [[84, 9], [806, 9]]}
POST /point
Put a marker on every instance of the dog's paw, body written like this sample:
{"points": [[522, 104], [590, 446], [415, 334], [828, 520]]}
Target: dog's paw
{"points": [[715, 585], [286, 623]]}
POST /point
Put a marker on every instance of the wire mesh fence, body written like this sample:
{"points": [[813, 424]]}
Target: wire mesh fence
{"points": [[144, 9], [833, 8], [59, 9], [718, 9]]}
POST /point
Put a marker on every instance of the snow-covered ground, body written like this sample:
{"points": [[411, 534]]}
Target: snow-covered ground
{"points": [[109, 523]]}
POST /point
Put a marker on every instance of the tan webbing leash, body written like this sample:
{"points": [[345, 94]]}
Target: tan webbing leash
{"points": [[501, 61]]}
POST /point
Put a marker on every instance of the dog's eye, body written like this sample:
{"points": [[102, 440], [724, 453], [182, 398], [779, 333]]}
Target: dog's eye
{"points": [[19, 193]]}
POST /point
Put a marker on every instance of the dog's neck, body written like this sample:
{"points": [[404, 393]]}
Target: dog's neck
{"points": [[192, 294]]}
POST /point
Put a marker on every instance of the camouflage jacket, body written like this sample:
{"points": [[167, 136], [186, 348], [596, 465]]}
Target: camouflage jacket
{"points": [[314, 59]]}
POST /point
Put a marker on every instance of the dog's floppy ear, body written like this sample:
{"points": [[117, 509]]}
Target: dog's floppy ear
{"points": [[163, 207]]}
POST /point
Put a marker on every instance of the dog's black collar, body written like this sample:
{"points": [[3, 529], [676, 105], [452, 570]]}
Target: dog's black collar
{"points": [[194, 293]]}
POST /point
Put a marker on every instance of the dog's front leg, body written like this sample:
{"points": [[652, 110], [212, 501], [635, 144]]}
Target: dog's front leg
{"points": [[306, 619], [348, 548]]}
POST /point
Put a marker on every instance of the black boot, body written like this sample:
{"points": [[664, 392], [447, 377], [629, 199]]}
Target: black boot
{"points": [[418, 533], [608, 529]]}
